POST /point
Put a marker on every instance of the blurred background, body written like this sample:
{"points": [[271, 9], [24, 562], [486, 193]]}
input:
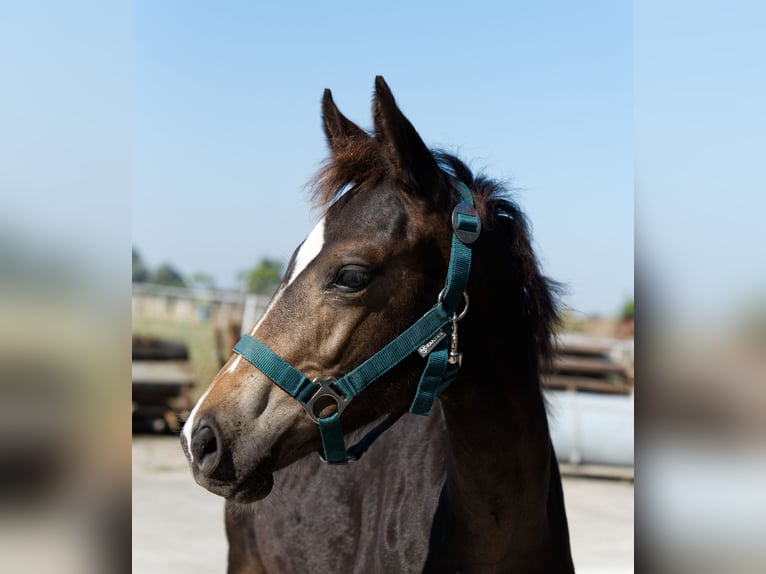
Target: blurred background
{"points": [[175, 130]]}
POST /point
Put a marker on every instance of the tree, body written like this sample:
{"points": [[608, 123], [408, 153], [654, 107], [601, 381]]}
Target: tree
{"points": [[166, 274], [628, 310], [140, 272], [264, 278], [203, 280]]}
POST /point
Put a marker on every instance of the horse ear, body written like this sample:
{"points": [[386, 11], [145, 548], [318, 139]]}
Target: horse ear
{"points": [[413, 162], [337, 127]]}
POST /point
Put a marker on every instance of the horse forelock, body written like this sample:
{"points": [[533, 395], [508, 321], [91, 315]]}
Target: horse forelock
{"points": [[358, 164]]}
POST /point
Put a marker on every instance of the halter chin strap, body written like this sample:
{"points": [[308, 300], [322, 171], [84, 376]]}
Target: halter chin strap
{"points": [[434, 336]]}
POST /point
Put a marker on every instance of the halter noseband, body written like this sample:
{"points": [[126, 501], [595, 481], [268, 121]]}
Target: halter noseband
{"points": [[434, 335]]}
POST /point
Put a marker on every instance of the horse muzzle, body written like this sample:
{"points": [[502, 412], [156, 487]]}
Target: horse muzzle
{"points": [[212, 464]]}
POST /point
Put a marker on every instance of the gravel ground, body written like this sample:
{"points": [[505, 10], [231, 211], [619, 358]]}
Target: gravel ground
{"points": [[178, 526]]}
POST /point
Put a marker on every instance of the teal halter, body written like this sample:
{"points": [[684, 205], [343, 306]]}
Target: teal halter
{"points": [[428, 336]]}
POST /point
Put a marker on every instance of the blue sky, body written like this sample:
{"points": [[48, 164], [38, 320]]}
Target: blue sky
{"points": [[189, 128], [699, 154], [226, 128]]}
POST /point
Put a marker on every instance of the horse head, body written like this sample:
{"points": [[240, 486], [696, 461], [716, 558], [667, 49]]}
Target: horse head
{"points": [[374, 263]]}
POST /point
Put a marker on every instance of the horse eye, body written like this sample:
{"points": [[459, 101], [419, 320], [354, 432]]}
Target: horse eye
{"points": [[352, 278]]}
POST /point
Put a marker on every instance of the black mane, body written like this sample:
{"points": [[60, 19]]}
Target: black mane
{"points": [[361, 165], [500, 212]]}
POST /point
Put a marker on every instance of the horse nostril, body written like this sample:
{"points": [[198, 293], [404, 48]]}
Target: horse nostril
{"points": [[205, 448]]}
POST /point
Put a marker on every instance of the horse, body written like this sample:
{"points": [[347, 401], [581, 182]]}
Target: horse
{"points": [[421, 276]]}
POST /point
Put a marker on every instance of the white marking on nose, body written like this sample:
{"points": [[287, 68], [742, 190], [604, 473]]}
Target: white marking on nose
{"points": [[308, 251], [190, 423], [272, 303], [234, 364]]}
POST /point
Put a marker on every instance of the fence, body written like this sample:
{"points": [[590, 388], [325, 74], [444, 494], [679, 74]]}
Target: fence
{"points": [[194, 305]]}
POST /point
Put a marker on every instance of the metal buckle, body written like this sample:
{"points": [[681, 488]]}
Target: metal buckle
{"points": [[325, 390]]}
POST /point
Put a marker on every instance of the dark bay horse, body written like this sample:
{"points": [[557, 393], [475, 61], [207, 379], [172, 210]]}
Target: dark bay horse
{"points": [[474, 486]]}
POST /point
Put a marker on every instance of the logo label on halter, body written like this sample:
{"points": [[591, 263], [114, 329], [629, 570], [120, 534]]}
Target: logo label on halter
{"points": [[429, 345]]}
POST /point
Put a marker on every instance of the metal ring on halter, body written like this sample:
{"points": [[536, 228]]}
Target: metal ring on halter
{"points": [[325, 390], [320, 452], [465, 309]]}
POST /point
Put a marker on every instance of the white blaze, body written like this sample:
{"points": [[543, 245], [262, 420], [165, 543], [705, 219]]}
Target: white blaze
{"points": [[308, 251], [190, 423]]}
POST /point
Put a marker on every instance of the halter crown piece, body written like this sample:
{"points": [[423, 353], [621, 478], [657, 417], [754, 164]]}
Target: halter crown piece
{"points": [[434, 336]]}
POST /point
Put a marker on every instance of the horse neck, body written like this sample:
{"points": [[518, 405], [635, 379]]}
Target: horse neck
{"points": [[503, 490]]}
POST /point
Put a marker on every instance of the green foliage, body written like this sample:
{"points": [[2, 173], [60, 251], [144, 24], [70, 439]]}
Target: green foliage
{"points": [[166, 274], [140, 272], [264, 278], [201, 279], [627, 310]]}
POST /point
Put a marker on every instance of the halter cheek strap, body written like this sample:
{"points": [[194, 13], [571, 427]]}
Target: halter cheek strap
{"points": [[434, 336]]}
